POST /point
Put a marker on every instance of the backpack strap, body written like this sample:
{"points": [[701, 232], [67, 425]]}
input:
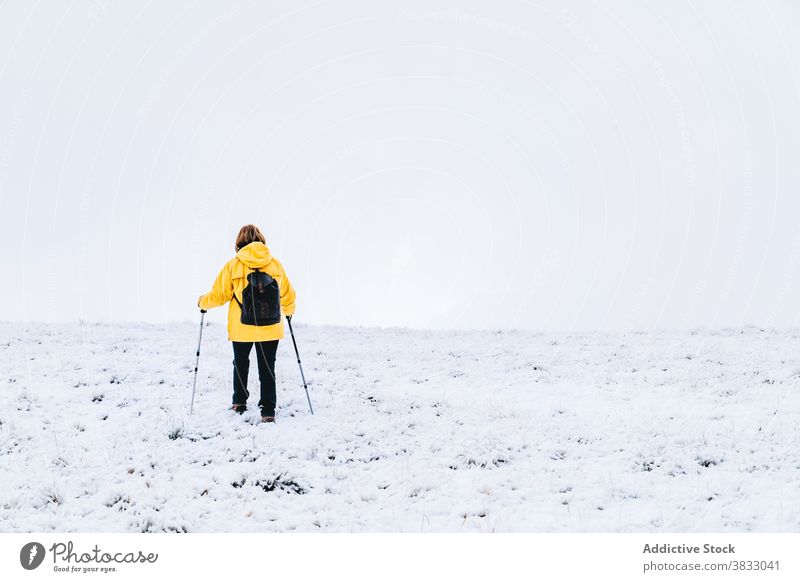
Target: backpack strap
{"points": [[234, 293]]}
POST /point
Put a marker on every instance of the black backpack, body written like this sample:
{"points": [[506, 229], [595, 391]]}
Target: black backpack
{"points": [[260, 302]]}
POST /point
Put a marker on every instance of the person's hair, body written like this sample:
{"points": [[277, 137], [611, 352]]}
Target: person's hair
{"points": [[247, 234]]}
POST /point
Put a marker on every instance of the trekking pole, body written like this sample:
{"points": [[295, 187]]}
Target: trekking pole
{"points": [[303, 376], [197, 362]]}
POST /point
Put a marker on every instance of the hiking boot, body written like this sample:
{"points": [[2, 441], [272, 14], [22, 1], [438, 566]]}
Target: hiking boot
{"points": [[239, 408]]}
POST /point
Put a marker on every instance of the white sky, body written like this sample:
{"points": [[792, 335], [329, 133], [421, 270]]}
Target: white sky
{"points": [[448, 164]]}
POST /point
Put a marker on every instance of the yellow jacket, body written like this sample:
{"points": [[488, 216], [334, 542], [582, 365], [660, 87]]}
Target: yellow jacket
{"points": [[233, 279]]}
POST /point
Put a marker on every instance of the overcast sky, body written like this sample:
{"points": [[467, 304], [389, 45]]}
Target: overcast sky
{"points": [[610, 165]]}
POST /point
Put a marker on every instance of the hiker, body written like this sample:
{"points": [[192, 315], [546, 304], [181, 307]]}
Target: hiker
{"points": [[258, 290]]}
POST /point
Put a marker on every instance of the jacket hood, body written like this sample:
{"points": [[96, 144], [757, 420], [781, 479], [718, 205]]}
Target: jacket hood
{"points": [[256, 255]]}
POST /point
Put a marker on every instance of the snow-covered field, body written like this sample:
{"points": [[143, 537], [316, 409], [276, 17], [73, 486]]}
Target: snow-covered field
{"points": [[414, 431]]}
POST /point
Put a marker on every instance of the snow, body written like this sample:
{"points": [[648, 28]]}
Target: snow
{"points": [[470, 431]]}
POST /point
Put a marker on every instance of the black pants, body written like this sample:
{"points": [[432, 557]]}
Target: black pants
{"points": [[265, 356]]}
